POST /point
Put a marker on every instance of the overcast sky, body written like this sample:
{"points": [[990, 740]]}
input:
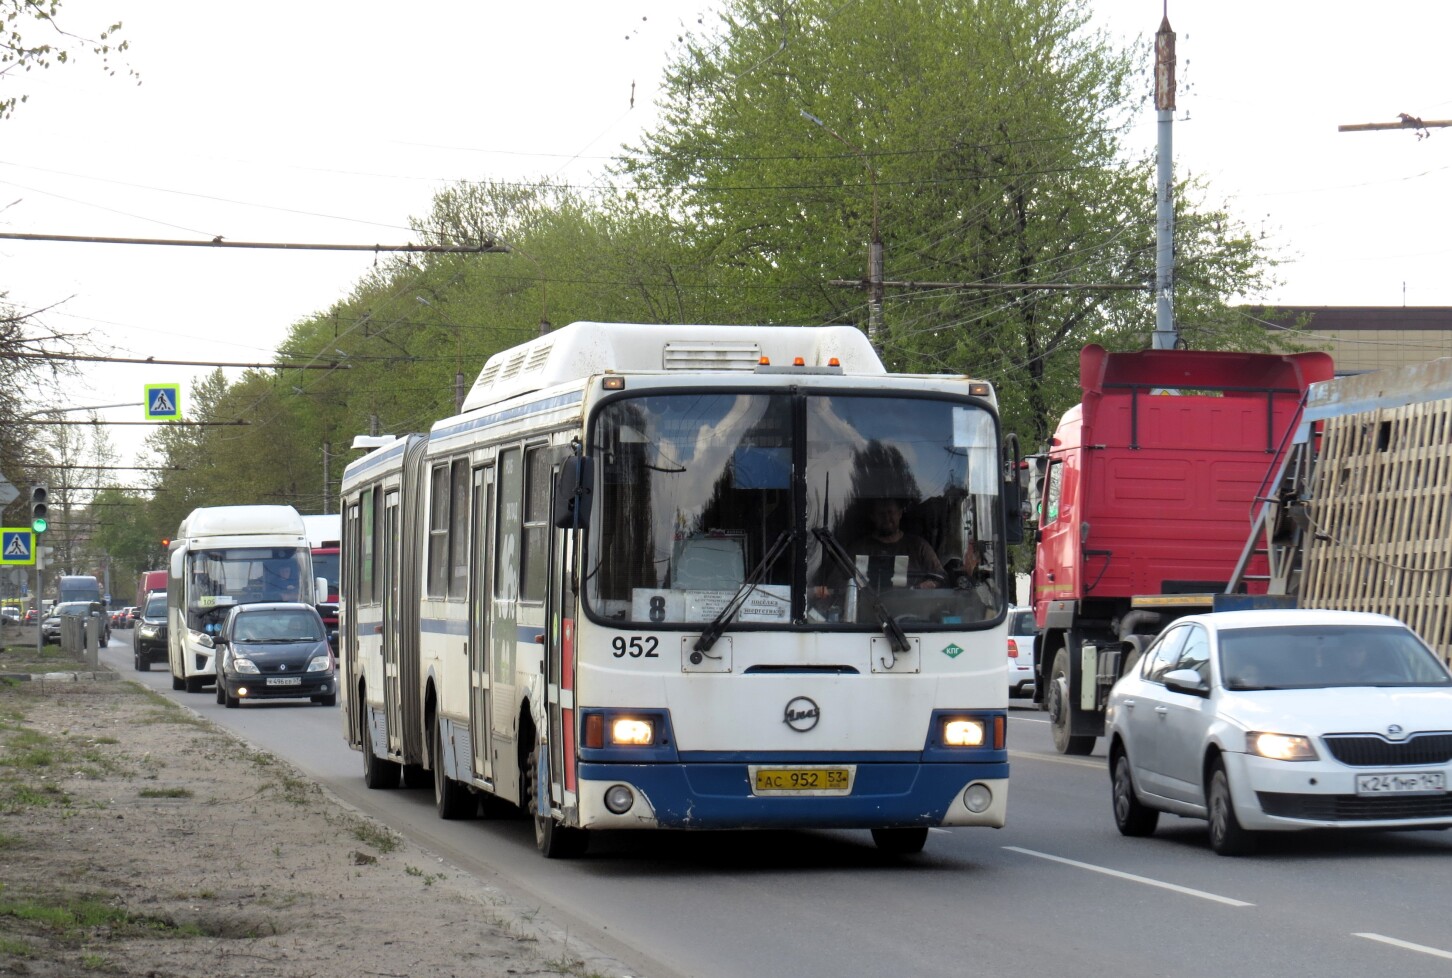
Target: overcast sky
{"points": [[337, 120]]}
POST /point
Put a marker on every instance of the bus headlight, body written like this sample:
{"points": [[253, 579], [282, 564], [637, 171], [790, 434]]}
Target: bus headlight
{"points": [[628, 730], [963, 733]]}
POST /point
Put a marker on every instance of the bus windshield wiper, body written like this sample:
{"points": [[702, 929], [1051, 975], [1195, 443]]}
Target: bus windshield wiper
{"points": [[713, 631], [839, 555]]}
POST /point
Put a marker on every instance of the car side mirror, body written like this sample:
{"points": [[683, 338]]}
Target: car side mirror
{"points": [[206, 641], [1186, 681]]}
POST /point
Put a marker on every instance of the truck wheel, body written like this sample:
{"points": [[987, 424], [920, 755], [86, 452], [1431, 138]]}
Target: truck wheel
{"points": [[554, 841], [1061, 710]]}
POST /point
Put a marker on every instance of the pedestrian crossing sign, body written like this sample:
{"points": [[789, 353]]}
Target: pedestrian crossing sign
{"points": [[17, 545], [163, 402]]}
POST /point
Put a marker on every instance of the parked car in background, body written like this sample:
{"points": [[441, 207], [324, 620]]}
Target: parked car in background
{"points": [[274, 650], [10, 615], [1263, 721], [1021, 632], [30, 616], [50, 628], [148, 643]]}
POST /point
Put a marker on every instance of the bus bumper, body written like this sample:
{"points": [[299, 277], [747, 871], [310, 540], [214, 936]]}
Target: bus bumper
{"points": [[721, 796]]}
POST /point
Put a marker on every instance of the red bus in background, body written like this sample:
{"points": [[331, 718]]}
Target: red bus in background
{"points": [[324, 534]]}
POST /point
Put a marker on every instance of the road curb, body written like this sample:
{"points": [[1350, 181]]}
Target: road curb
{"points": [[59, 677]]}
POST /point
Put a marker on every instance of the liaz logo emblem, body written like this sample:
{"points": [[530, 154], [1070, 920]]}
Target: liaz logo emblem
{"points": [[952, 651], [802, 714]]}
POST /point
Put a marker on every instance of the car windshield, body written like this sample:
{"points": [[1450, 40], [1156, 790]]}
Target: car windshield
{"points": [[1021, 623], [290, 625], [1327, 655], [71, 608], [156, 606]]}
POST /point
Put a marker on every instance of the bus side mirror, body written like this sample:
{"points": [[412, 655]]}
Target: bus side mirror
{"points": [[574, 491], [320, 590]]}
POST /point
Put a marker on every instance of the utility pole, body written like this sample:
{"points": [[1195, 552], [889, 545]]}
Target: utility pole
{"points": [[327, 455], [874, 247], [1165, 336]]}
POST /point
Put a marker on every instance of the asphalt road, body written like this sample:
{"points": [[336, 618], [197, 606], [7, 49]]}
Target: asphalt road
{"points": [[1058, 891]]}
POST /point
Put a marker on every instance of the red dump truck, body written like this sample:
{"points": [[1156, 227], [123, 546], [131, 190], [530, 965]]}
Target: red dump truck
{"points": [[1143, 504]]}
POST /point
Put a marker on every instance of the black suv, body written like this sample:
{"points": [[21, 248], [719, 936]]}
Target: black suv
{"points": [[149, 639]]}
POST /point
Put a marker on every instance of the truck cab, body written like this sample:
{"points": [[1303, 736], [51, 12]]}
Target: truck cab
{"points": [[1143, 504]]}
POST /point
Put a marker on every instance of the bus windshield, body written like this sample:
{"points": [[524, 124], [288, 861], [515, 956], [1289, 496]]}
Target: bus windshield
{"points": [[807, 510], [218, 579]]}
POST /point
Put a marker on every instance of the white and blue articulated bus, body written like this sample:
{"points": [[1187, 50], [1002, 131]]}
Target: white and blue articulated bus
{"points": [[626, 588]]}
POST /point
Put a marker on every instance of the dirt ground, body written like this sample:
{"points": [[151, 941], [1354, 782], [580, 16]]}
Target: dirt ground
{"points": [[138, 839]]}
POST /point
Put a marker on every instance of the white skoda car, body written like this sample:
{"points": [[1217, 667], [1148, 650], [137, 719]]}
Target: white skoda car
{"points": [[1280, 720]]}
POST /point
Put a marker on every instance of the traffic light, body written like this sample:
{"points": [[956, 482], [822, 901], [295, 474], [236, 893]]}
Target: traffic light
{"points": [[39, 509]]}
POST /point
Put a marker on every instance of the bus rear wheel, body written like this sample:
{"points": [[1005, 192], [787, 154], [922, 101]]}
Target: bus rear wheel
{"points": [[377, 771], [451, 799]]}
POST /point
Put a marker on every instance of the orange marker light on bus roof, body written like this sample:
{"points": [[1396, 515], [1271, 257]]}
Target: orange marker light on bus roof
{"points": [[765, 361], [833, 362], [799, 362]]}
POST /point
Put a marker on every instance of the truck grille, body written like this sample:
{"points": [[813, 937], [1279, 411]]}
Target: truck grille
{"points": [[1374, 750], [1354, 808]]}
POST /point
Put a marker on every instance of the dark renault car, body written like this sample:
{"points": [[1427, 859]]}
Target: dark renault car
{"points": [[265, 651], [148, 642]]}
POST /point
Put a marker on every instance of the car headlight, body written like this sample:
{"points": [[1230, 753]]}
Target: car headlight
{"points": [[240, 664], [320, 663], [146, 631], [1280, 747]]}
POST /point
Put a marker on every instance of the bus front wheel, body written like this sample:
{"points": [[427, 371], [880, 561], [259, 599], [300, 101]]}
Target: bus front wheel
{"points": [[554, 841]]}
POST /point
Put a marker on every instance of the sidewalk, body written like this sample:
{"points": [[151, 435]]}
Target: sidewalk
{"points": [[138, 838]]}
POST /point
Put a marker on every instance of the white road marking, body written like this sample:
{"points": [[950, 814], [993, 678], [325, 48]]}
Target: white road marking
{"points": [[1012, 716], [1098, 765], [1434, 952], [1132, 878]]}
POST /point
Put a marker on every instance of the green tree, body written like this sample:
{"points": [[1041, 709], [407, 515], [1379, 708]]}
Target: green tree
{"points": [[981, 138]]}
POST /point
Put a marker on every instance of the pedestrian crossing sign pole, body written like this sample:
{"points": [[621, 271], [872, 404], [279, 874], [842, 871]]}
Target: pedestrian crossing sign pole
{"points": [[163, 402], [17, 546]]}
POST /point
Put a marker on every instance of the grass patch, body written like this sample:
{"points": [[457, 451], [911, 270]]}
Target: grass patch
{"points": [[23, 796], [166, 793], [373, 835], [12, 948], [71, 919]]}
